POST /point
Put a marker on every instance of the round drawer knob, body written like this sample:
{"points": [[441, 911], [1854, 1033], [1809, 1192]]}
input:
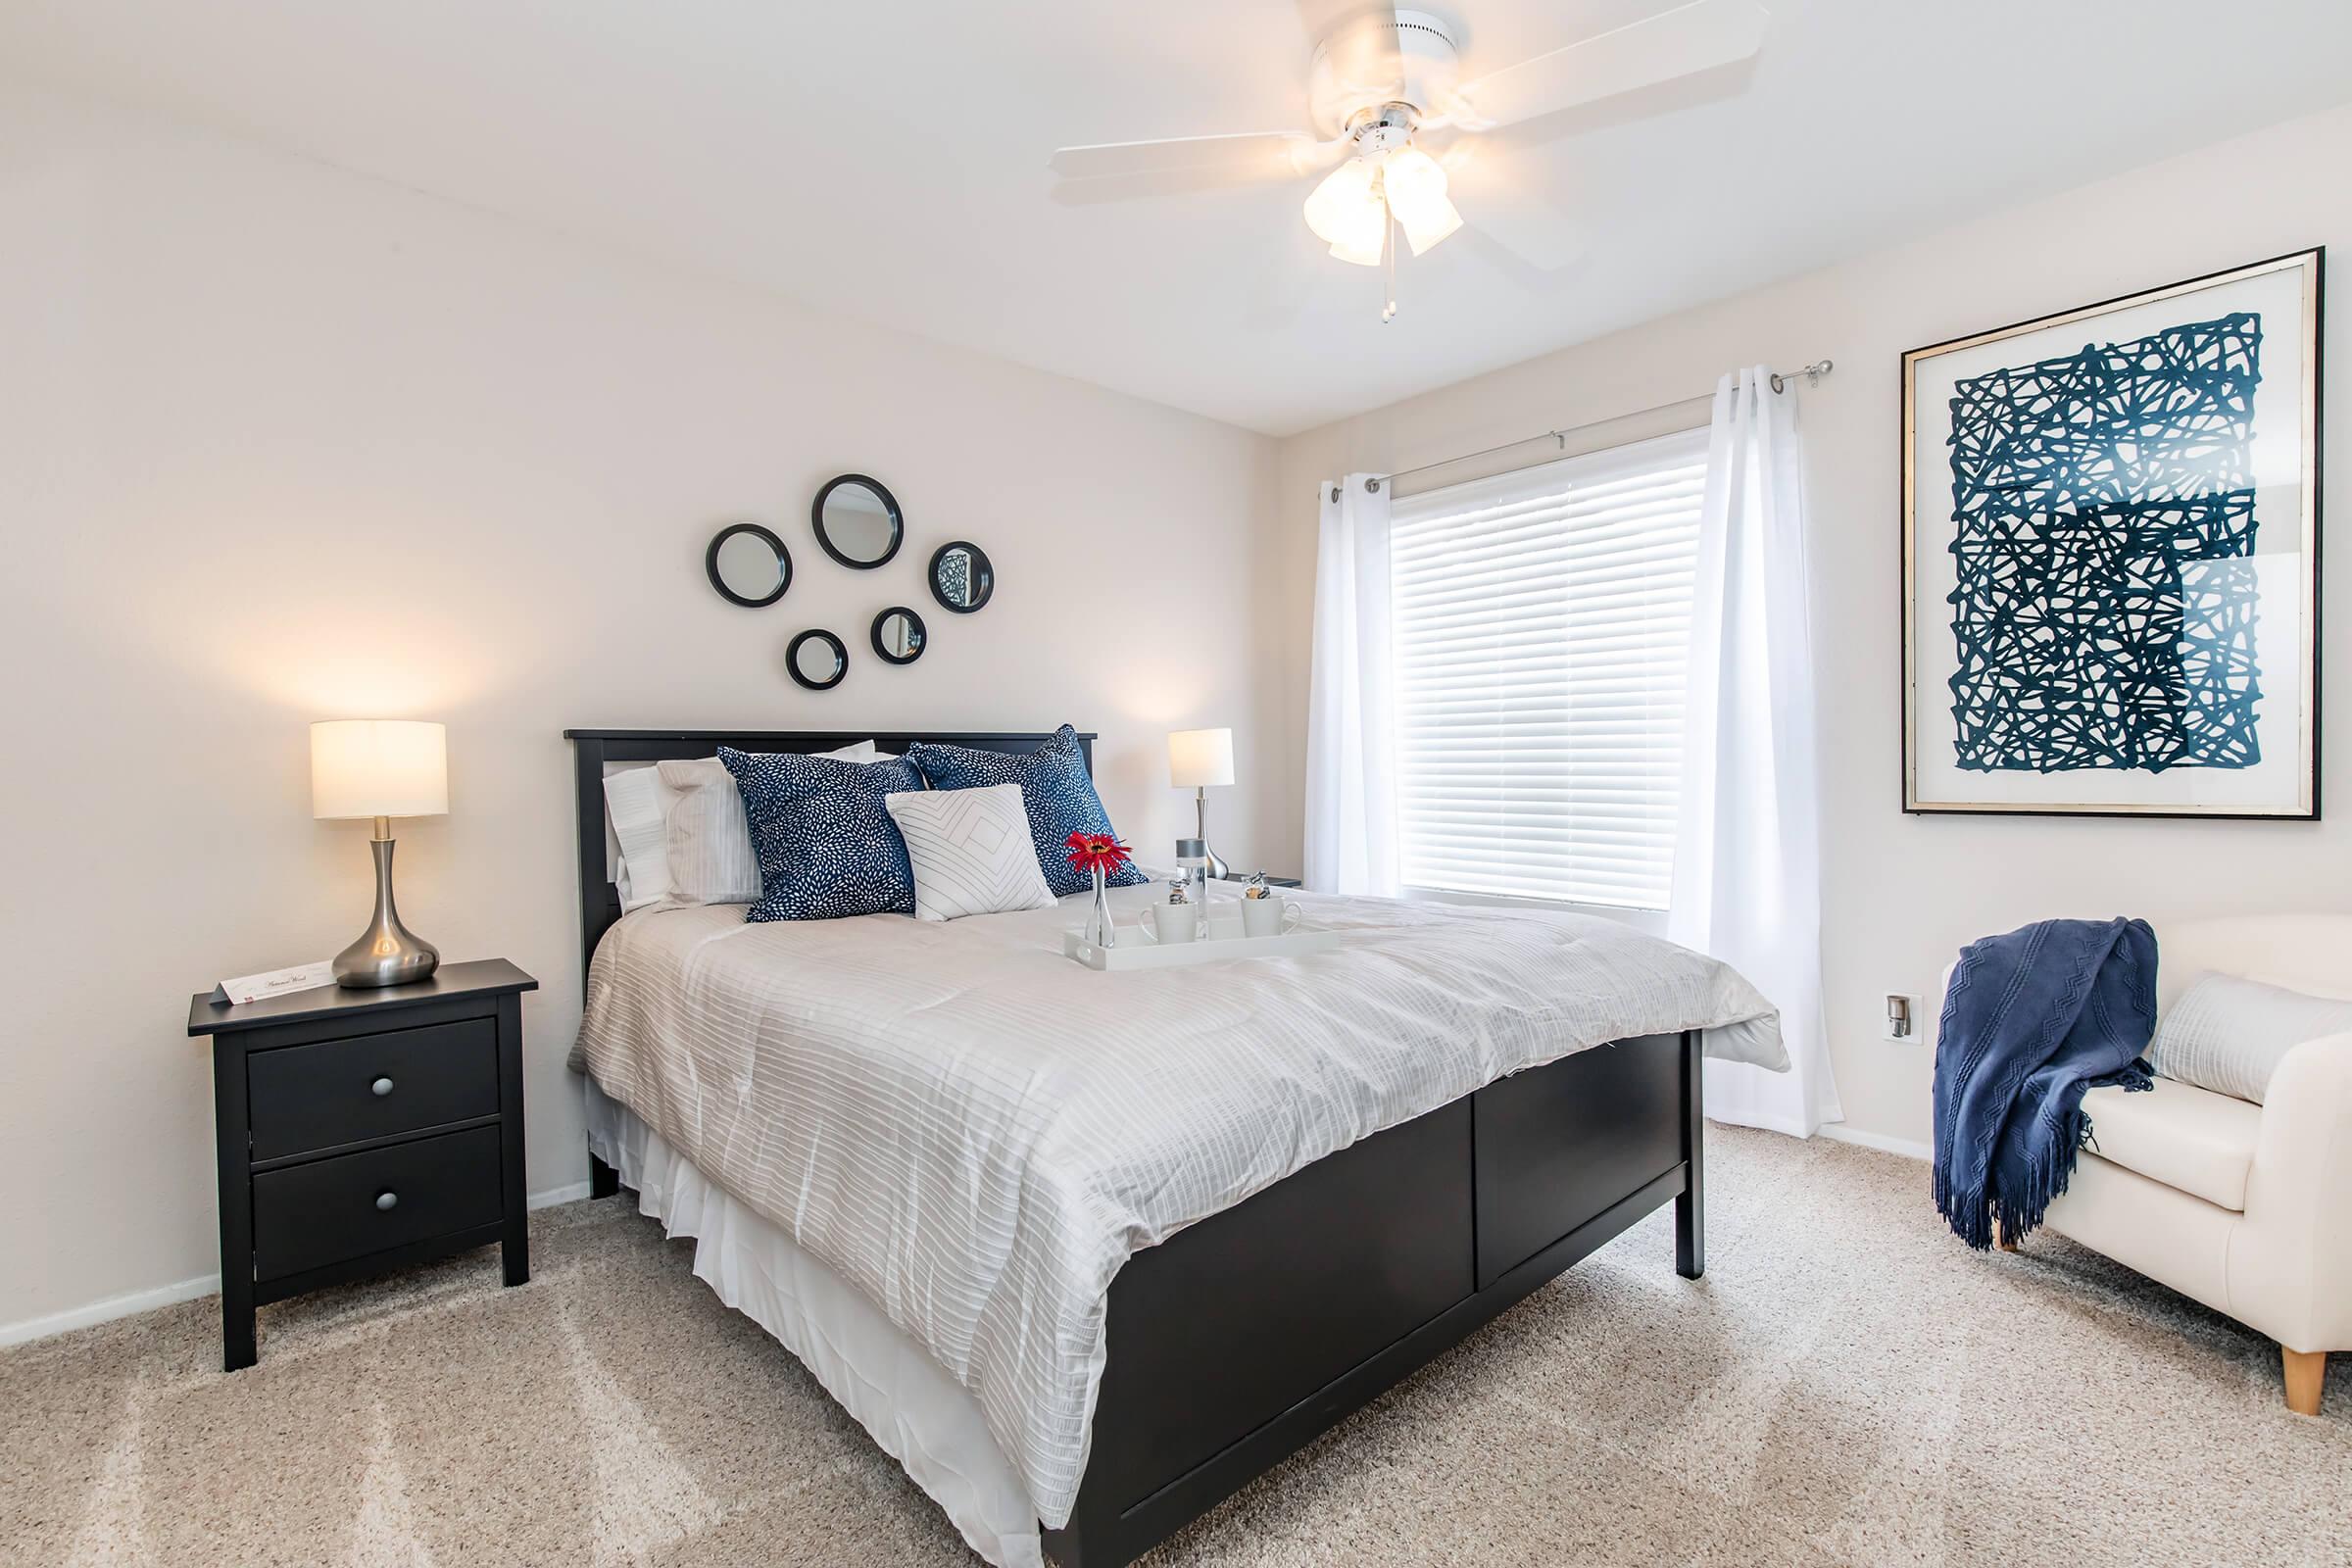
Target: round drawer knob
{"points": [[387, 1199], [381, 1088]]}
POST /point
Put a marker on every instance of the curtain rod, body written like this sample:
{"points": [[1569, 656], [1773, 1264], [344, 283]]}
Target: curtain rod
{"points": [[1780, 383]]}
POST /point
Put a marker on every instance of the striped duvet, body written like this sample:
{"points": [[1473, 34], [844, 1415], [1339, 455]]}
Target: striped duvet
{"points": [[978, 1133]]}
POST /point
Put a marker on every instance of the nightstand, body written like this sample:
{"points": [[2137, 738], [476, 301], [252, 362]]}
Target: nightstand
{"points": [[365, 1130]]}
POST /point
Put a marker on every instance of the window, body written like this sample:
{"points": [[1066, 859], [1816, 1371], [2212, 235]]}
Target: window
{"points": [[1541, 623]]}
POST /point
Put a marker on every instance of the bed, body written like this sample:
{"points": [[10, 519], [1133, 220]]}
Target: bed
{"points": [[1087, 1252]]}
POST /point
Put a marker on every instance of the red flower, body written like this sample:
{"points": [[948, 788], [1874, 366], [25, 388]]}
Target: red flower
{"points": [[1096, 851]]}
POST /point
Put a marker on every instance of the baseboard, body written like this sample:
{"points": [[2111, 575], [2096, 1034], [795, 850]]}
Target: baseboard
{"points": [[134, 1303], [112, 1308], [1839, 1133], [559, 1194]]}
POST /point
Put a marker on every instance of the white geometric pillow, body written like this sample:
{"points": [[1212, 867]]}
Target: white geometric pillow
{"points": [[971, 852]]}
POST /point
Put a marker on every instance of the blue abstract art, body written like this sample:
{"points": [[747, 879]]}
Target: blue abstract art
{"points": [[2103, 506]]}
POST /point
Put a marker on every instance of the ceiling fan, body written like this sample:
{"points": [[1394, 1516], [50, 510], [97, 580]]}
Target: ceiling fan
{"points": [[1390, 107]]}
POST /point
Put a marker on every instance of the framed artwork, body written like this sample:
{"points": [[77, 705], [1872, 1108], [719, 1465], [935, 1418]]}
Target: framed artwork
{"points": [[2111, 555]]}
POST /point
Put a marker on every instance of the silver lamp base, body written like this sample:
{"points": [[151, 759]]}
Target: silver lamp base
{"points": [[1217, 869], [387, 952]]}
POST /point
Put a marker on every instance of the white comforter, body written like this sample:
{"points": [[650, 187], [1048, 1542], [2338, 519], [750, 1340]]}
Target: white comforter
{"points": [[978, 1133]]}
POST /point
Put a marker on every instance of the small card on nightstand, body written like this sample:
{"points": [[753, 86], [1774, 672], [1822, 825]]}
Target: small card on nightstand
{"points": [[276, 983]]}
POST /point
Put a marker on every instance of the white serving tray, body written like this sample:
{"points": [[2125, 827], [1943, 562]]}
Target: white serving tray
{"points": [[1225, 941]]}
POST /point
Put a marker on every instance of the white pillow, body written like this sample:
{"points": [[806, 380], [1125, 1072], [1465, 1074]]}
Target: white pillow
{"points": [[970, 850], [2229, 1034], [699, 855], [638, 806]]}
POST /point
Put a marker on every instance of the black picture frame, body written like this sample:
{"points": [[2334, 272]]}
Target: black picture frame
{"points": [[922, 635], [890, 504], [767, 537], [841, 655], [984, 577], [2311, 333]]}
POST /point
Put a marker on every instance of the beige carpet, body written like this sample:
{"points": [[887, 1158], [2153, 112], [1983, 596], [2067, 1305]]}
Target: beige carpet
{"points": [[1848, 1385]]}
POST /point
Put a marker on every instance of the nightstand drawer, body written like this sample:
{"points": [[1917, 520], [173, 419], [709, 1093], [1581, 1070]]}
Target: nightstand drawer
{"points": [[369, 1085], [306, 1216]]}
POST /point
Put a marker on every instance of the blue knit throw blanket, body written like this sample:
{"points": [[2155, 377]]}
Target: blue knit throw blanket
{"points": [[2031, 1021]]}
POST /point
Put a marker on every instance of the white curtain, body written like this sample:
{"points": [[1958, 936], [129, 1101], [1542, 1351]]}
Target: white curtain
{"points": [[1351, 725], [1746, 883]]}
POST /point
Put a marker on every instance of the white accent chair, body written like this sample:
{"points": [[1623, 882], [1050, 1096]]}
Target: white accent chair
{"points": [[2245, 1207]]}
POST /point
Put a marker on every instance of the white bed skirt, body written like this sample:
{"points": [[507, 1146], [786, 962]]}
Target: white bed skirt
{"points": [[922, 1417]]}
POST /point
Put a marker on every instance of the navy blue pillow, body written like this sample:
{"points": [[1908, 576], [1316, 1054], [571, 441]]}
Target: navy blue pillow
{"points": [[826, 846], [1060, 798]]}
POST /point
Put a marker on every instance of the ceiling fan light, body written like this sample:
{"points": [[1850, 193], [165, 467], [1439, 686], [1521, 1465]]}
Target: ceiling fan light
{"points": [[1434, 222], [1344, 205], [1415, 183], [1361, 234]]}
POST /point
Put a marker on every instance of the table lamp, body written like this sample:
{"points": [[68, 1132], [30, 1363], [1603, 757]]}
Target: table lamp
{"points": [[380, 769], [1196, 760]]}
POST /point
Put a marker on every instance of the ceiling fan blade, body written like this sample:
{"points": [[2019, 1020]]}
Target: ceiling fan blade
{"points": [[1248, 155], [1165, 182], [1500, 204], [1693, 37], [1357, 57], [1296, 267], [1323, 17]]}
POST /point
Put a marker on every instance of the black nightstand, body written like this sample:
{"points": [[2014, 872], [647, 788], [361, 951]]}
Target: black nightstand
{"points": [[365, 1130]]}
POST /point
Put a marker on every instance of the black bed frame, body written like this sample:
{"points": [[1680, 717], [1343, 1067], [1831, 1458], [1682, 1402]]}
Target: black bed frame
{"points": [[1241, 1338]]}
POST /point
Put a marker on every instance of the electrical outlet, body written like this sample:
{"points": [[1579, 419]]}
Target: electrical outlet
{"points": [[1901, 1021]]}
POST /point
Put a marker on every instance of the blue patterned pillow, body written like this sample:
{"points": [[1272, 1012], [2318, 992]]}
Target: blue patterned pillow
{"points": [[1060, 798], [826, 846]]}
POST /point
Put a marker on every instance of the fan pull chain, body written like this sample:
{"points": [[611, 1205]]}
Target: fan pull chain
{"points": [[1388, 261]]}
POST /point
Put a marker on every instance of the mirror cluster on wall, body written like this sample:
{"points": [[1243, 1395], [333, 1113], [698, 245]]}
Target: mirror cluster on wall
{"points": [[858, 525]]}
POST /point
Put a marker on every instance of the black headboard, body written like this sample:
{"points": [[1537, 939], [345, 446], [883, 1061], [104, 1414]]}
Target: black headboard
{"points": [[593, 748]]}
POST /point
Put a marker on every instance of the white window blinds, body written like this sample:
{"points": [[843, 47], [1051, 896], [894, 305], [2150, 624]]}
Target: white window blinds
{"points": [[1541, 620]]}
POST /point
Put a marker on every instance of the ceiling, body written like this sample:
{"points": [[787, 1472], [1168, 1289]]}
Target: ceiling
{"points": [[855, 161]]}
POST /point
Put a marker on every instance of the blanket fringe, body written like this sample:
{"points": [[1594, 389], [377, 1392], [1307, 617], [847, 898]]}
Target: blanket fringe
{"points": [[1973, 1215]]}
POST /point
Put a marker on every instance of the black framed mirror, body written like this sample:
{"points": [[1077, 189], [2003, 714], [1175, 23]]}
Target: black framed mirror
{"points": [[898, 635], [857, 522], [962, 577], [817, 659], [747, 565]]}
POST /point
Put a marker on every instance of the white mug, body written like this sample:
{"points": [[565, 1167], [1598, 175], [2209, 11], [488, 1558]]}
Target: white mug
{"points": [[1171, 922], [1269, 916]]}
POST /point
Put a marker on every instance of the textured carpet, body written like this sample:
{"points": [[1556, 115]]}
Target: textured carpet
{"points": [[1848, 1385]]}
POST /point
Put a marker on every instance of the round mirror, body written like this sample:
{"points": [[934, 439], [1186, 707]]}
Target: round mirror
{"points": [[962, 579], [747, 565], [898, 635], [857, 522], [817, 659]]}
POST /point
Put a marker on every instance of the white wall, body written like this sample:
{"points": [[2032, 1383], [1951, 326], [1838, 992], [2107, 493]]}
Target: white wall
{"points": [[279, 443], [1902, 893]]}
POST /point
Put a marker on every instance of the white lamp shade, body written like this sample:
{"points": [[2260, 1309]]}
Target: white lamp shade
{"points": [[1198, 758], [1415, 183], [1347, 213], [378, 768]]}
